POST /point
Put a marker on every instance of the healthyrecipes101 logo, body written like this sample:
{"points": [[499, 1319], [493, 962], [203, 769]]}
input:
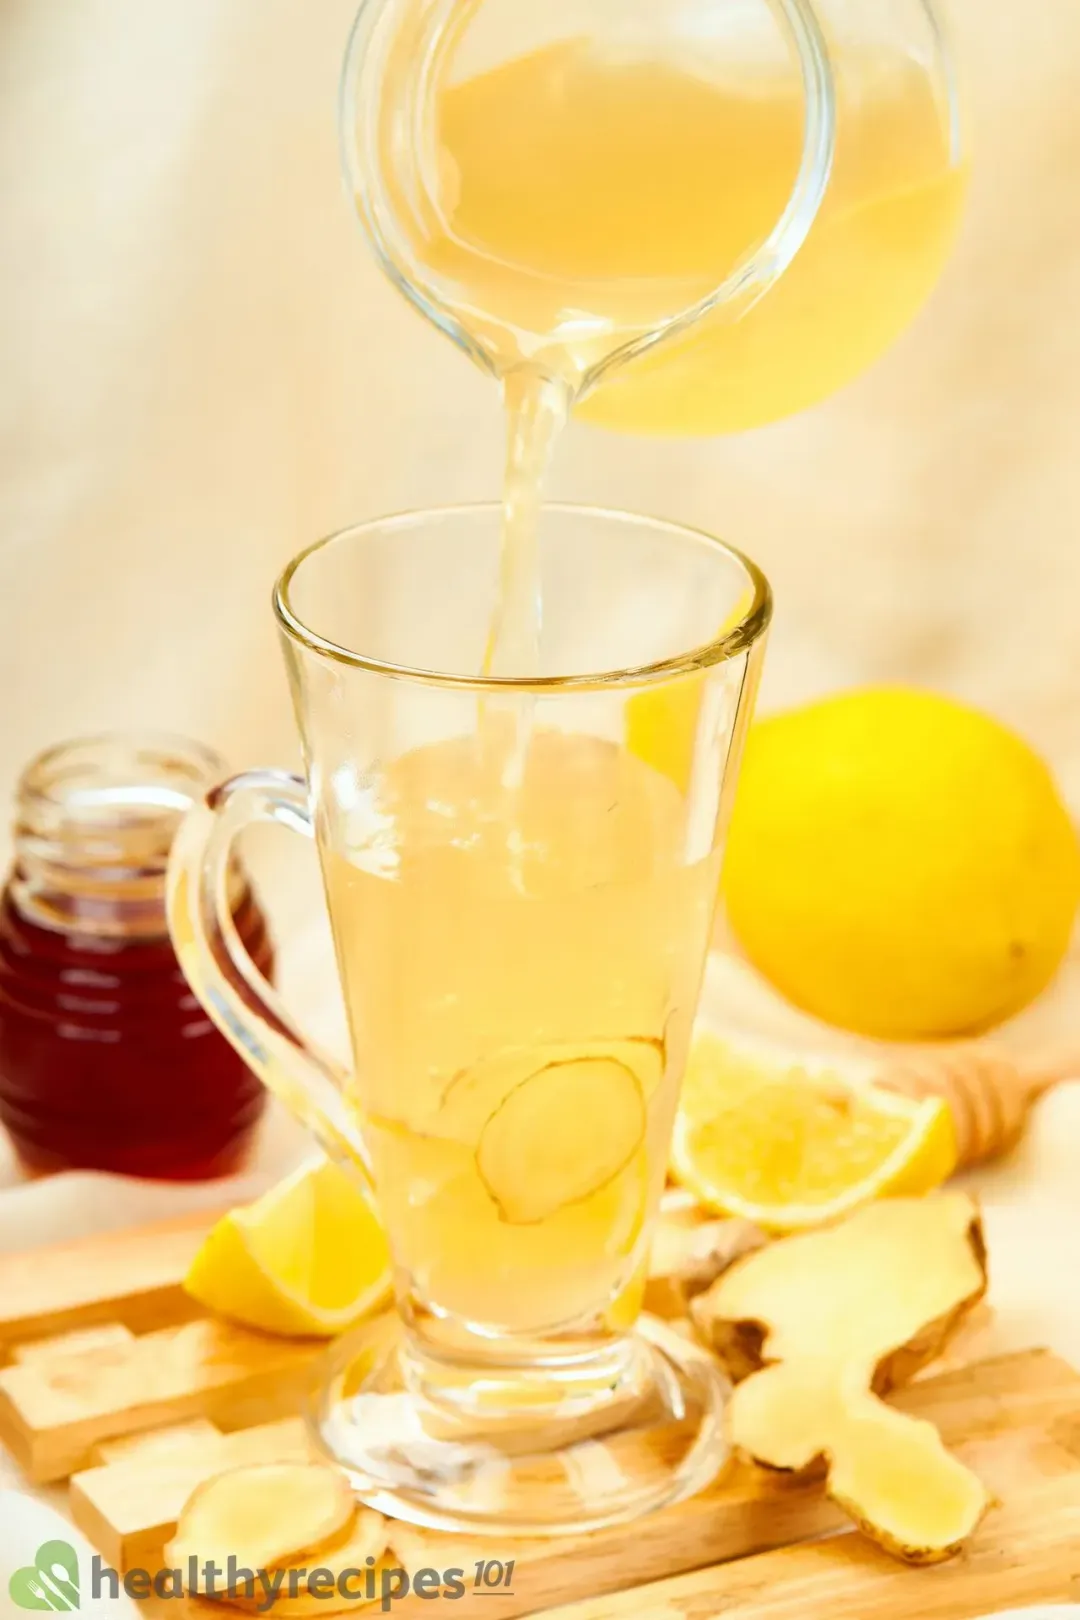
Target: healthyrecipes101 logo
{"points": [[52, 1582]]}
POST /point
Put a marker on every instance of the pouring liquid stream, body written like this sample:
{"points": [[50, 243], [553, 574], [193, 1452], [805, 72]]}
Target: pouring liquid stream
{"points": [[537, 409]]}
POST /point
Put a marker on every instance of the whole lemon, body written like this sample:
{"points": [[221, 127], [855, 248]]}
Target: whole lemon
{"points": [[900, 864]]}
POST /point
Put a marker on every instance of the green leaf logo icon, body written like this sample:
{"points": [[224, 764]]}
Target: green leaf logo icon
{"points": [[50, 1582]]}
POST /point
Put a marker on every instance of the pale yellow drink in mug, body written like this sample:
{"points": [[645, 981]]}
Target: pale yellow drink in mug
{"points": [[520, 995]]}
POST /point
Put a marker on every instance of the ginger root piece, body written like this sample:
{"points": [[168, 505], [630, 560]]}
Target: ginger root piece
{"points": [[893, 1476], [685, 1260], [817, 1326], [885, 1287], [889, 1472], [262, 1516]]}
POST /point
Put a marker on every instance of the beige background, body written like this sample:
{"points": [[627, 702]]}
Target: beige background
{"points": [[201, 368]]}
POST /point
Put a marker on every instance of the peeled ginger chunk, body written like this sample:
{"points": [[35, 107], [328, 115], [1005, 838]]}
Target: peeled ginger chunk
{"points": [[787, 1417], [813, 1325], [882, 1289], [262, 1515], [893, 1476], [890, 1473]]}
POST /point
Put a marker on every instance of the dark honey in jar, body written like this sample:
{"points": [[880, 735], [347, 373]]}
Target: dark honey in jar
{"points": [[107, 1060]]}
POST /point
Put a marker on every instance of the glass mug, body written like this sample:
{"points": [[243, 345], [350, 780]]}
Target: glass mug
{"points": [[521, 905]]}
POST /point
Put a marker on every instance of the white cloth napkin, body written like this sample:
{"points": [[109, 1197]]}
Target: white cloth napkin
{"points": [[79, 1202]]}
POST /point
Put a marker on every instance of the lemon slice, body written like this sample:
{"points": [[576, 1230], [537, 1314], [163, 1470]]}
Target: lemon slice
{"points": [[788, 1149], [560, 1136], [308, 1257]]}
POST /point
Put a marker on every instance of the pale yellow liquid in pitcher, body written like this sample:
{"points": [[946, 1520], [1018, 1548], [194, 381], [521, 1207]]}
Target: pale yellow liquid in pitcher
{"points": [[520, 1021], [629, 190]]}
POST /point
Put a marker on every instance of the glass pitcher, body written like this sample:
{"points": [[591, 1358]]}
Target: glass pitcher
{"points": [[516, 167], [703, 214]]}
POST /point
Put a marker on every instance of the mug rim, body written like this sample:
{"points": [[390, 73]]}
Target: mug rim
{"points": [[735, 639]]}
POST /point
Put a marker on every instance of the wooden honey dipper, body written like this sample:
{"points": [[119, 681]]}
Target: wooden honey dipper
{"points": [[989, 1092]]}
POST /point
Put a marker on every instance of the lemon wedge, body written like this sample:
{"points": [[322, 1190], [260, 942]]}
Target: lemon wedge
{"points": [[788, 1149], [309, 1257]]}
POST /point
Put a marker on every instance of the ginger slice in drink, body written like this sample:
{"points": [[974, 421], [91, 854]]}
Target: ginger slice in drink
{"points": [[262, 1515], [561, 1135], [473, 1095], [817, 1326]]}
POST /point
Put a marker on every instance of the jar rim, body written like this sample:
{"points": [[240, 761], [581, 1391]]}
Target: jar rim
{"points": [[153, 767], [95, 820]]}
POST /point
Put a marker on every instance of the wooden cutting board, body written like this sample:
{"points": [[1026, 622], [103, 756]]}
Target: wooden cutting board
{"points": [[113, 1382]]}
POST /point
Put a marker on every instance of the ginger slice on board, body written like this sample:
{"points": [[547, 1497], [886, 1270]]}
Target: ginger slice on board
{"points": [[817, 1326], [344, 1558], [262, 1516]]}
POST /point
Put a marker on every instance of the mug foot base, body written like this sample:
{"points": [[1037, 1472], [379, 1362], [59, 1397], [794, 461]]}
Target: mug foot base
{"points": [[528, 1450]]}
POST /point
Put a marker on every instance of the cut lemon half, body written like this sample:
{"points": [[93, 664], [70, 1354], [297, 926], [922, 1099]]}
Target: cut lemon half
{"points": [[788, 1149], [309, 1257]]}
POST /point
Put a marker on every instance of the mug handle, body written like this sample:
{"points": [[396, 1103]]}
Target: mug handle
{"points": [[240, 1000]]}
